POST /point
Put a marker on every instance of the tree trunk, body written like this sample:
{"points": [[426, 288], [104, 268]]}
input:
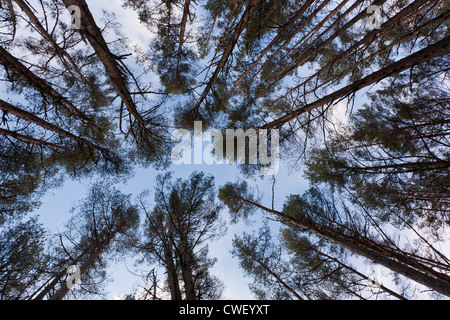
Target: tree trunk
{"points": [[50, 286], [283, 30], [93, 34], [182, 31], [172, 276], [186, 270], [335, 77], [368, 39]]}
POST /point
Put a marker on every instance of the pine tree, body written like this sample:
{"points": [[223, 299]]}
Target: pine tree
{"points": [[105, 222], [300, 268], [184, 218], [316, 215], [21, 258], [392, 156]]}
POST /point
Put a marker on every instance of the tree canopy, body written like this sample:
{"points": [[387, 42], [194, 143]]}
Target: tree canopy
{"points": [[359, 102]]}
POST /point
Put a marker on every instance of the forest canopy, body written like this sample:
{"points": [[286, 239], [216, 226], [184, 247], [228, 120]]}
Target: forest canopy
{"points": [[351, 98]]}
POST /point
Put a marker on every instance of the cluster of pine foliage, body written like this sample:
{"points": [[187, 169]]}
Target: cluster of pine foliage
{"points": [[77, 103]]}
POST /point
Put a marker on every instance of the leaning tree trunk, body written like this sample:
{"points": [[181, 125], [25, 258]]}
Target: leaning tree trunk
{"points": [[93, 34], [300, 58]]}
